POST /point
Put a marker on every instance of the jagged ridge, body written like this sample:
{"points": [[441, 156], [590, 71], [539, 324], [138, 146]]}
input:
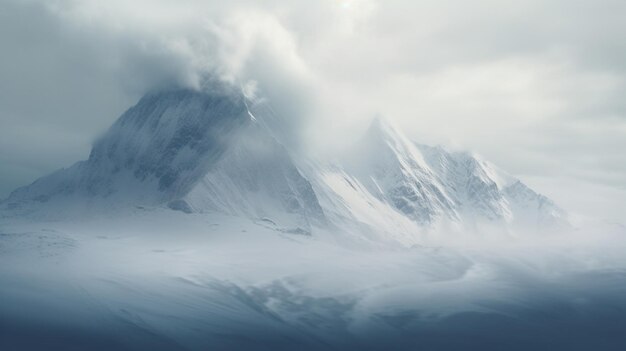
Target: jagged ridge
{"points": [[206, 151]]}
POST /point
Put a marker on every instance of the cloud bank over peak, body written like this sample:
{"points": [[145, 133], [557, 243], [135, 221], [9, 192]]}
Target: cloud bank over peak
{"points": [[537, 86]]}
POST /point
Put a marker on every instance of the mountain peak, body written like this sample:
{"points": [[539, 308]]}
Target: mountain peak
{"points": [[172, 135], [383, 141], [383, 127], [202, 151]]}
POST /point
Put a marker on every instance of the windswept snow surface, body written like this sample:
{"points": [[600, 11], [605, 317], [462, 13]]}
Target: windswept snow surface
{"points": [[159, 279]]}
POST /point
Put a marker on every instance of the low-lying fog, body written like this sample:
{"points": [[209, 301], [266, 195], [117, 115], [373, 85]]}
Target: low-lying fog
{"points": [[164, 280]]}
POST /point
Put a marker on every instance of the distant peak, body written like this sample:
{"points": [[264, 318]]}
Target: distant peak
{"points": [[380, 121], [381, 126]]}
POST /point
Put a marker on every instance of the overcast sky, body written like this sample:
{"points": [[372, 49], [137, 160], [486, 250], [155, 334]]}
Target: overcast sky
{"points": [[537, 87]]}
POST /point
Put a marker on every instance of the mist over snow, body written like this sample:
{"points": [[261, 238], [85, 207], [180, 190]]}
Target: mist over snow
{"points": [[141, 283], [290, 175]]}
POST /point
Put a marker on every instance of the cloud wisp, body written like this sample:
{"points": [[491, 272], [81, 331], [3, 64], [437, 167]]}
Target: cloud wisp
{"points": [[536, 87]]}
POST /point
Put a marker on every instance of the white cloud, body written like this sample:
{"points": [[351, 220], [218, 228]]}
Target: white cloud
{"points": [[535, 86]]}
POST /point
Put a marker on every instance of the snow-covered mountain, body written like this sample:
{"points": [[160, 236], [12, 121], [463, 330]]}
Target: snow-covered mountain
{"points": [[392, 184], [220, 152], [484, 194]]}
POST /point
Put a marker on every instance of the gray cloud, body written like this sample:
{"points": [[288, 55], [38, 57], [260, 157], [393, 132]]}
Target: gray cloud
{"points": [[535, 86]]}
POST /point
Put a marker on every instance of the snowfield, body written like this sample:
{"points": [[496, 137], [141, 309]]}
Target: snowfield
{"points": [[160, 279]]}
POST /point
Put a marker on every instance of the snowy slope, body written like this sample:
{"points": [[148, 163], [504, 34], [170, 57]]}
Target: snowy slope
{"points": [[154, 152], [394, 170], [217, 151], [187, 150], [256, 178], [483, 193], [406, 189]]}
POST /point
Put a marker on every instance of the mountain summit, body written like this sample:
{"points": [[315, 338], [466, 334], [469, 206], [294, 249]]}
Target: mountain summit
{"points": [[203, 152]]}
